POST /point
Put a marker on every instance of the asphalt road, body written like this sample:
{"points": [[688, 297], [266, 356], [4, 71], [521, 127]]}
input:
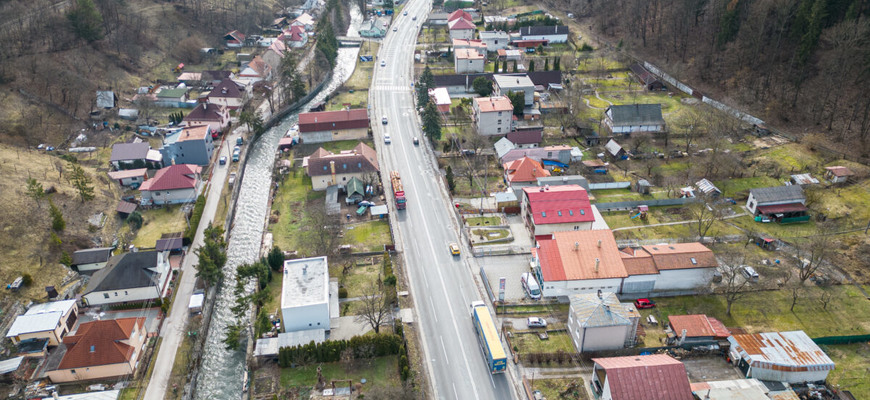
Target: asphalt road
{"points": [[442, 286]]}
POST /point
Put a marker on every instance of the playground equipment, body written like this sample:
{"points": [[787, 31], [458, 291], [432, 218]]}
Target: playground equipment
{"points": [[640, 211]]}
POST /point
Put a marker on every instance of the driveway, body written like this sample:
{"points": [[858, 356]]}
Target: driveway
{"points": [[150, 315], [522, 237], [510, 267]]}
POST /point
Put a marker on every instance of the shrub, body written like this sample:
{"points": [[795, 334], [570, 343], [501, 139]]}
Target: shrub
{"points": [[65, 259], [57, 222], [26, 279], [135, 220], [194, 219], [342, 293], [390, 280]]}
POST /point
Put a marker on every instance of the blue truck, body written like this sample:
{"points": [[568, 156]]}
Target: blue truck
{"points": [[487, 337]]}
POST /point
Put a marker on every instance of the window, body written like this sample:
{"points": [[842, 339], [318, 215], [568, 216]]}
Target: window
{"points": [[544, 214], [559, 213], [324, 168], [105, 295], [694, 261], [125, 293], [344, 178], [344, 166], [576, 228], [116, 294], [72, 371], [499, 113], [499, 122], [499, 130], [549, 154], [359, 165]]}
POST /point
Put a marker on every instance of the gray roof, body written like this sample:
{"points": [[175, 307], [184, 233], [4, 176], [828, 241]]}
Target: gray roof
{"points": [[592, 311], [544, 30], [130, 151], [503, 146], [579, 180], [612, 147], [306, 282], [507, 82], [778, 194], [438, 16], [12, 364], [169, 244], [636, 114], [105, 99], [707, 187], [125, 271], [34, 323], [502, 197], [103, 395], [269, 346], [91, 256]]}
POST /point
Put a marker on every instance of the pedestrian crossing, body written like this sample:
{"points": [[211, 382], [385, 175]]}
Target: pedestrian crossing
{"points": [[392, 88]]}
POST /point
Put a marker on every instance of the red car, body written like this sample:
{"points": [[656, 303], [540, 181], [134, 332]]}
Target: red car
{"points": [[644, 303]]}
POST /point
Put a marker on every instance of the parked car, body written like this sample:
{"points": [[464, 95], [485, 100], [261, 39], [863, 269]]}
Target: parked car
{"points": [[223, 160], [416, 141], [414, 19], [240, 141], [454, 249], [536, 322], [530, 285], [405, 13], [749, 273], [644, 303]]}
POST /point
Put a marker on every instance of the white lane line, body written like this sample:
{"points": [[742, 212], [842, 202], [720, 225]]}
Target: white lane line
{"points": [[432, 304], [455, 395], [444, 348], [492, 382]]}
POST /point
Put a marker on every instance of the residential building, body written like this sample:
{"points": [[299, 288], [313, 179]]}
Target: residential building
{"points": [[295, 36], [453, 16], [523, 172], [780, 356], [129, 177], [677, 268], [554, 209], [467, 61], [461, 28], [495, 40], [129, 278], [228, 94], [275, 54], [526, 138], [176, 97], [234, 39], [305, 294], [441, 98], [650, 377], [174, 184], [838, 174], [492, 115], [256, 70], [779, 203], [101, 349], [598, 321], [215, 116], [437, 18], [697, 328], [508, 55], [305, 20], [578, 180], [91, 259], [626, 119], [52, 321], [188, 145], [503, 146], [326, 168], [552, 34], [134, 156], [735, 389], [328, 126], [505, 84], [374, 28], [646, 78], [459, 44], [560, 153]]}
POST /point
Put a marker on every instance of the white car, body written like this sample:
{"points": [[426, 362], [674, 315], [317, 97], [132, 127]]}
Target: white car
{"points": [[395, 29], [387, 138], [405, 13], [384, 120], [536, 322], [383, 63]]}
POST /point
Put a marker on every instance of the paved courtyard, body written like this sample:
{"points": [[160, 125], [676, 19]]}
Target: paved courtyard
{"points": [[150, 315], [510, 267]]}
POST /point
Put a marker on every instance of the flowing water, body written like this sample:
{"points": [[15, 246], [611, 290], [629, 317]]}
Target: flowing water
{"points": [[221, 373]]}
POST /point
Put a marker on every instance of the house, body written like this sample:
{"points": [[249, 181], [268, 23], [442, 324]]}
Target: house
{"points": [[803, 180], [614, 150], [174, 98], [441, 98], [295, 36], [626, 119], [305, 20], [305, 294], [560, 153], [129, 177], [217, 117], [275, 54], [134, 156], [548, 209], [326, 168], [780, 356], [523, 172], [328, 126], [646, 78], [91, 259], [779, 203], [174, 184], [838, 174], [697, 329], [467, 61], [552, 34], [650, 377], [170, 244], [106, 99], [373, 28], [212, 77], [461, 28], [228, 94], [526, 138], [257, 70], [234, 39], [455, 15], [279, 23], [188, 145], [509, 55], [586, 261], [135, 277], [708, 188], [495, 40], [598, 321], [492, 115], [459, 44], [52, 321], [100, 350], [505, 84], [734, 389], [503, 146]]}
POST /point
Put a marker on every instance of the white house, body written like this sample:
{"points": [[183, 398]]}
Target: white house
{"points": [[505, 84], [174, 184], [838, 174], [467, 61], [129, 177], [780, 356], [552, 34], [492, 115], [461, 28], [548, 209], [91, 259], [130, 278], [227, 94], [495, 40], [650, 377], [214, 115], [629, 118], [52, 321], [598, 321], [778, 202], [326, 168], [305, 294]]}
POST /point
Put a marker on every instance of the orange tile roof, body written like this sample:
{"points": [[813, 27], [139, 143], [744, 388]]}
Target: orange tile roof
{"points": [[99, 343], [495, 103], [637, 261], [468, 54], [698, 325], [525, 170], [198, 132], [572, 255], [681, 256]]}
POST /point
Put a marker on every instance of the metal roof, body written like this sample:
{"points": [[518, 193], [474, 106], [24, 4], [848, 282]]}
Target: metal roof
{"points": [[784, 351], [508, 196], [804, 179], [707, 187], [775, 194], [612, 147], [34, 323], [196, 300], [735, 389], [269, 346], [503, 146], [104, 395], [592, 311], [12, 364], [636, 114]]}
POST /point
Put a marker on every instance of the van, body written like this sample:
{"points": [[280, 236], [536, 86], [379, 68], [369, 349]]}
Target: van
{"points": [[749, 273], [530, 285]]}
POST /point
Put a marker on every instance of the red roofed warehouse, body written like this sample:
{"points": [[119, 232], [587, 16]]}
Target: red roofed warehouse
{"points": [[653, 377], [172, 185], [548, 209], [328, 126], [100, 350]]}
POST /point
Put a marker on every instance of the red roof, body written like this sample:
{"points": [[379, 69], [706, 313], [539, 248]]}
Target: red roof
{"points": [[460, 24], [839, 170], [99, 343], [652, 377], [782, 208], [559, 204], [572, 255], [698, 325], [179, 176], [524, 170], [459, 14], [333, 120]]}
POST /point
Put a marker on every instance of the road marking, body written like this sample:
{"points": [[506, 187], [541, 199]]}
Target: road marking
{"points": [[432, 304], [444, 348], [455, 395]]}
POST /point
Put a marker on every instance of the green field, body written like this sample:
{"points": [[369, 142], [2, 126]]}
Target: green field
{"points": [[553, 388], [367, 236], [737, 186], [290, 201], [158, 221], [530, 343], [483, 221], [376, 371]]}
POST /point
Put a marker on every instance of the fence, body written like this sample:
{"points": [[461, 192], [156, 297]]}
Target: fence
{"points": [[627, 205], [485, 280], [842, 339], [652, 242], [498, 250], [609, 185]]}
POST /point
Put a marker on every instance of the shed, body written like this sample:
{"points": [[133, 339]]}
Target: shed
{"points": [[780, 356], [649, 81], [507, 202], [600, 322], [130, 114], [803, 180], [708, 188], [169, 243], [643, 186], [614, 150], [125, 208], [196, 301], [838, 174], [378, 211], [697, 328], [106, 99], [355, 190]]}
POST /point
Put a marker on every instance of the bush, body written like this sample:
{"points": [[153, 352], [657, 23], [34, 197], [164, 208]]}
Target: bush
{"points": [[368, 346], [65, 259], [194, 220], [342, 293], [57, 222], [26, 280], [390, 280], [135, 220]]}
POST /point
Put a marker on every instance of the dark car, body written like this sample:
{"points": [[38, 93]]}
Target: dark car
{"points": [[644, 303]]}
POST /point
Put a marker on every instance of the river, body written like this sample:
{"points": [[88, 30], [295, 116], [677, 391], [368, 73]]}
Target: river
{"points": [[221, 371]]}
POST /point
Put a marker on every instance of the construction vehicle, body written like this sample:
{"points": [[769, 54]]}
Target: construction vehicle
{"points": [[398, 190]]}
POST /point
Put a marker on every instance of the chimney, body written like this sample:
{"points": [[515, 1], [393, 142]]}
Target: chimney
{"points": [[597, 261], [599, 243], [541, 189], [305, 269], [682, 337], [576, 246], [600, 296], [546, 187]]}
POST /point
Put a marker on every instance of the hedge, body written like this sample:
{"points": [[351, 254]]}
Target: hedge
{"points": [[368, 346], [194, 220]]}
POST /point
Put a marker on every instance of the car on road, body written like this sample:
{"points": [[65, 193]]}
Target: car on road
{"points": [[644, 303], [405, 13], [383, 63], [384, 120], [416, 141], [414, 19], [395, 29], [536, 322], [454, 249], [387, 138], [223, 160]]}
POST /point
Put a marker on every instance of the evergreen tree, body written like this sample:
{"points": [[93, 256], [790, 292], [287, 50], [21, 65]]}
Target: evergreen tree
{"points": [[482, 86], [556, 63], [514, 67], [518, 100], [532, 66], [275, 259], [57, 222], [35, 191], [546, 64], [86, 20], [212, 255], [495, 67], [432, 122], [82, 182], [451, 183]]}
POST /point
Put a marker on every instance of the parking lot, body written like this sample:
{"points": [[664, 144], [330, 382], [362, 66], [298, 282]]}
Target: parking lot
{"points": [[510, 267]]}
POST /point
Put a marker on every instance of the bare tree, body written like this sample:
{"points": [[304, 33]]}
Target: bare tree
{"points": [[705, 212], [811, 253], [825, 297], [323, 230], [375, 306], [733, 286]]}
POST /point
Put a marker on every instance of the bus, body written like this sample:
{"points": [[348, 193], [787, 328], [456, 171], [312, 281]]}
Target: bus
{"points": [[487, 337]]}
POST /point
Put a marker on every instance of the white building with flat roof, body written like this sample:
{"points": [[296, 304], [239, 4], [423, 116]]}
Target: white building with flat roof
{"points": [[305, 294]]}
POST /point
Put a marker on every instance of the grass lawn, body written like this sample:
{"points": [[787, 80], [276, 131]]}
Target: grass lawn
{"points": [[656, 215], [273, 305], [851, 367], [530, 343], [357, 99], [362, 74], [483, 221], [544, 309], [377, 371], [848, 201], [464, 189], [733, 187], [292, 195], [367, 236], [720, 228], [792, 157], [776, 230], [158, 221], [491, 234], [358, 277], [669, 103], [554, 387], [612, 195], [596, 102]]}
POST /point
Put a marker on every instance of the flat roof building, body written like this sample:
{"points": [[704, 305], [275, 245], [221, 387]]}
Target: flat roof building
{"points": [[305, 294]]}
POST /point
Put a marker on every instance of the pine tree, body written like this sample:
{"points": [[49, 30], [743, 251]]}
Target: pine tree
{"points": [[432, 122], [82, 182], [546, 64], [532, 66], [556, 63], [86, 20], [514, 68]]}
